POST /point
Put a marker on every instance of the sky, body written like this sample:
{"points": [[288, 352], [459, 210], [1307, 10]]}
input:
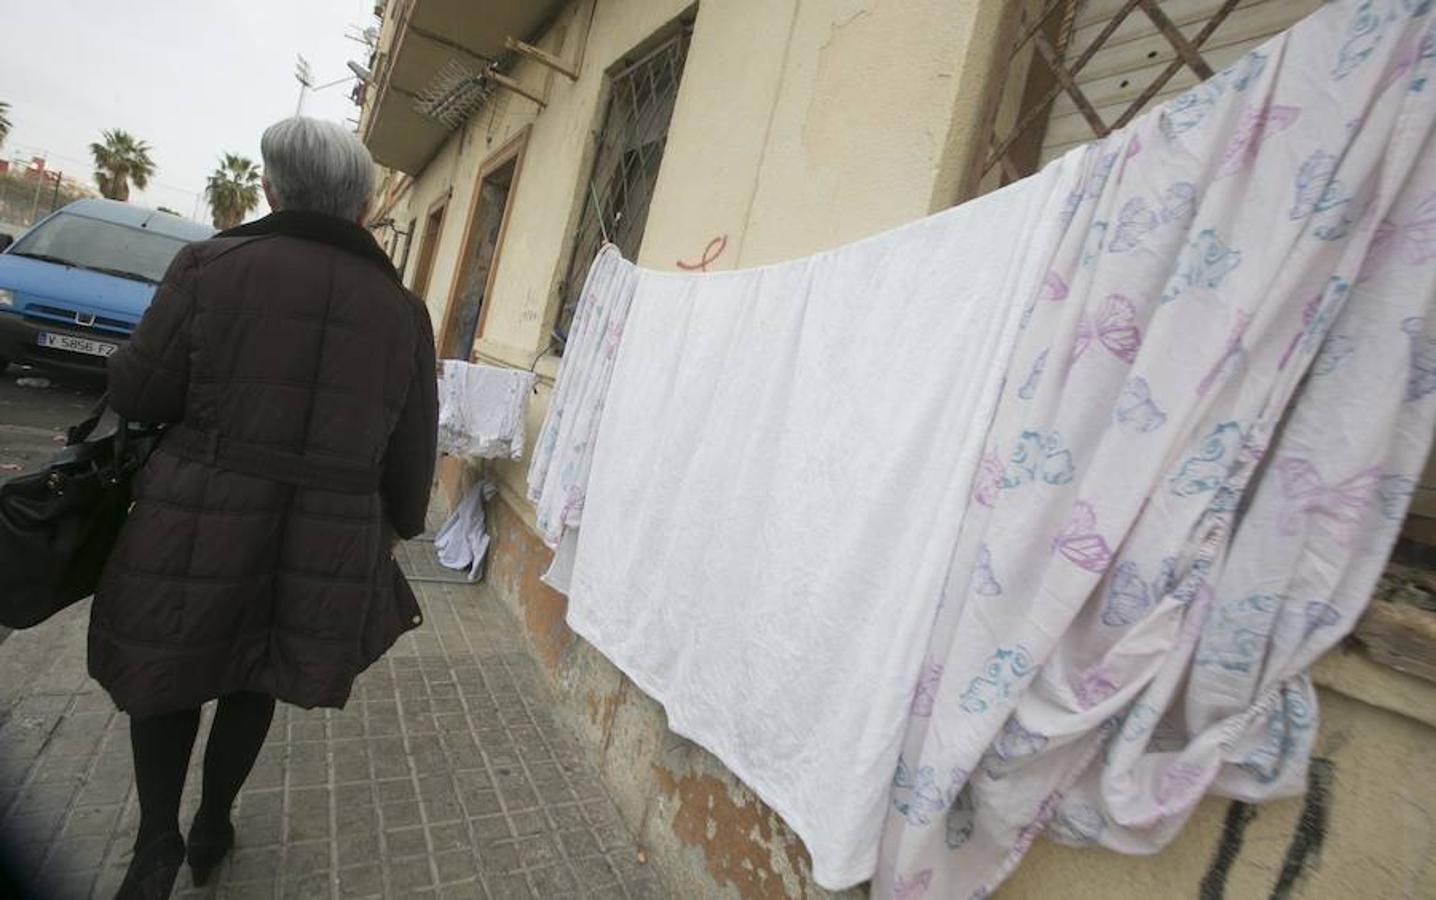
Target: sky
{"points": [[192, 78]]}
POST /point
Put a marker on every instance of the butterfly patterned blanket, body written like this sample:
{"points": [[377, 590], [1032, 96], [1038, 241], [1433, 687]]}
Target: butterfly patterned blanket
{"points": [[1219, 404]]}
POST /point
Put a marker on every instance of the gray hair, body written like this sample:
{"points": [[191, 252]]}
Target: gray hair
{"points": [[317, 166]]}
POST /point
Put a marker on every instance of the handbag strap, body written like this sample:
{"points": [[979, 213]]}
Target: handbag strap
{"points": [[80, 433]]}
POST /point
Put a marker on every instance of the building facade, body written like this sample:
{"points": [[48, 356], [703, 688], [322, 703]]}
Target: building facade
{"points": [[518, 135]]}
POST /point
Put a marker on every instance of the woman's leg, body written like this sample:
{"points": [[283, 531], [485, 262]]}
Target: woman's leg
{"points": [[161, 746], [240, 725]]}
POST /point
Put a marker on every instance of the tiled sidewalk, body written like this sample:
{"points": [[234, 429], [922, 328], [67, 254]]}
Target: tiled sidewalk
{"points": [[447, 775]]}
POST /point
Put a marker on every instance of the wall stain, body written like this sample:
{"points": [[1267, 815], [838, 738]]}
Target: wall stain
{"points": [[518, 561], [1214, 883], [735, 837], [1310, 834]]}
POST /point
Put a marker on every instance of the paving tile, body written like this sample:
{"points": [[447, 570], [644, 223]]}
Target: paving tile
{"points": [[446, 776]]}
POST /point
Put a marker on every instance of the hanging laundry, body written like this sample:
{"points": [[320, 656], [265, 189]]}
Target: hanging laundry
{"points": [[1192, 496], [779, 478], [987, 522], [559, 469], [463, 541], [482, 410]]}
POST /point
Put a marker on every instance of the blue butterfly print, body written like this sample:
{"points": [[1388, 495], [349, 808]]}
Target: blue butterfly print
{"points": [[1234, 638], [1139, 722], [984, 582], [1000, 675], [1013, 743], [1069, 208], [1038, 457], [1206, 263], [1208, 467], [1422, 379], [1394, 493], [1319, 194], [1244, 71], [1287, 737], [1320, 615], [1363, 34], [1134, 222], [1129, 597], [1096, 237], [1135, 408], [917, 796], [1188, 110], [1029, 387], [1334, 350], [1077, 825], [1179, 203], [1100, 174]]}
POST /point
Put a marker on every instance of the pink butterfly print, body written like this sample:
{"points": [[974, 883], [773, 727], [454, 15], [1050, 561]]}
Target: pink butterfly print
{"points": [[1255, 127], [925, 694], [989, 478], [1114, 327], [1340, 507], [1080, 544], [1410, 238], [1231, 358], [914, 886], [1093, 685], [1053, 288], [1180, 786]]}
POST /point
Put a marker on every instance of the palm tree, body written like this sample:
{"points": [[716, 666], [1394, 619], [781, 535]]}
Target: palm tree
{"points": [[233, 190], [4, 121], [119, 162]]}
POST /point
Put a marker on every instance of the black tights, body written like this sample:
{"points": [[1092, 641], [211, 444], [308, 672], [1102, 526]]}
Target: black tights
{"points": [[162, 746]]}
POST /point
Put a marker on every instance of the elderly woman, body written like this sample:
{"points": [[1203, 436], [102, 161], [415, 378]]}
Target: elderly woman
{"points": [[298, 377]]}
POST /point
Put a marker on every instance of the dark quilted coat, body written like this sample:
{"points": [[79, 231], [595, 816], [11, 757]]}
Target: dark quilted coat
{"points": [[299, 374]]}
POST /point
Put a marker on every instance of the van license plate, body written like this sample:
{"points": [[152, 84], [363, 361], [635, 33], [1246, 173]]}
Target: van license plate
{"points": [[76, 344]]}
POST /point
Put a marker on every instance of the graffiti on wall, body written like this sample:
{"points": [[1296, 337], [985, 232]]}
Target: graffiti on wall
{"points": [[709, 256]]}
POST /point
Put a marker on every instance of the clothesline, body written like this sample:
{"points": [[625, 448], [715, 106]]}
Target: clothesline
{"points": [[1053, 564]]}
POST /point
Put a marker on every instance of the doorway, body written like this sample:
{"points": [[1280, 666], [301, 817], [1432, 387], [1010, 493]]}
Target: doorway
{"points": [[482, 242], [428, 245]]}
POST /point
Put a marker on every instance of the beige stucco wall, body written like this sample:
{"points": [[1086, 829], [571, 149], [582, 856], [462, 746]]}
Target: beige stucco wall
{"points": [[800, 126]]}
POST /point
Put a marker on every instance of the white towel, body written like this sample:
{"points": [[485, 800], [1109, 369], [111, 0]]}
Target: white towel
{"points": [[463, 540], [482, 410], [779, 478]]}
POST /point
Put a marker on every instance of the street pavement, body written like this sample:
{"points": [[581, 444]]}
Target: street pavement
{"points": [[448, 774]]}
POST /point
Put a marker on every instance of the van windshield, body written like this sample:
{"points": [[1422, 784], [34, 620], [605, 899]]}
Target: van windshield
{"points": [[102, 246]]}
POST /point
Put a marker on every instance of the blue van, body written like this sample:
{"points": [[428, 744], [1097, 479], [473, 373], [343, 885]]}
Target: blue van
{"points": [[74, 286]]}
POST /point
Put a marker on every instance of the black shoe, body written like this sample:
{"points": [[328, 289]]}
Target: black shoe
{"points": [[153, 869], [207, 849]]}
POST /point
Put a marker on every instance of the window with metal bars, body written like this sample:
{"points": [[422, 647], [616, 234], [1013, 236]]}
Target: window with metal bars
{"points": [[625, 168], [1069, 50]]}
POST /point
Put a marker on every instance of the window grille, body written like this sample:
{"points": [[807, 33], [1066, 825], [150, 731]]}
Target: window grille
{"points": [[1043, 57], [625, 168]]}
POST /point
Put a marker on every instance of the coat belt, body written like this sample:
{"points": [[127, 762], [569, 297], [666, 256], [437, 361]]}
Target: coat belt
{"points": [[261, 461]]}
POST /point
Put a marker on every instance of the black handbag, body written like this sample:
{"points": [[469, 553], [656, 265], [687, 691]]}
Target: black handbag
{"points": [[58, 525]]}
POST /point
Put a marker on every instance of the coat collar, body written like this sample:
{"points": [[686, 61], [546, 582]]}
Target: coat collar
{"points": [[325, 229]]}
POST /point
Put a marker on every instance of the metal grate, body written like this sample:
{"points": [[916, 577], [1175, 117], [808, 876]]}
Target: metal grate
{"points": [[1044, 39], [625, 168], [453, 94]]}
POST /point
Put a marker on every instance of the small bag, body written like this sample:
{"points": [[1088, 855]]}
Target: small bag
{"points": [[58, 525]]}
